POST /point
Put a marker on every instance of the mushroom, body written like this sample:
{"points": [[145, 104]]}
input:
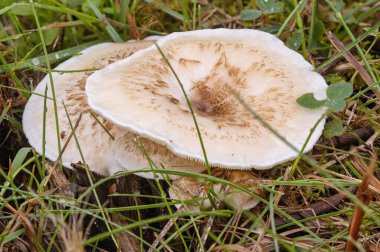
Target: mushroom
{"points": [[94, 140], [190, 188], [142, 94], [129, 152]]}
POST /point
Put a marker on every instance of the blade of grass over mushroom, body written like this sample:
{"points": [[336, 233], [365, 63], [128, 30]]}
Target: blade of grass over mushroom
{"points": [[190, 108], [50, 76], [306, 158], [89, 175], [111, 31], [44, 130], [195, 123], [102, 125], [163, 194], [62, 71]]}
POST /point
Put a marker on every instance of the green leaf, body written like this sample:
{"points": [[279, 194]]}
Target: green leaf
{"points": [[22, 10], [318, 32], [336, 105], [19, 158], [75, 3], [4, 113], [249, 15], [6, 3], [339, 91], [308, 101], [12, 236], [339, 4], [50, 36], [295, 40], [270, 6], [333, 128]]}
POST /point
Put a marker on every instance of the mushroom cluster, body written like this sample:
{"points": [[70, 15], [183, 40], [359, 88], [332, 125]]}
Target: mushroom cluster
{"points": [[94, 133], [146, 99]]}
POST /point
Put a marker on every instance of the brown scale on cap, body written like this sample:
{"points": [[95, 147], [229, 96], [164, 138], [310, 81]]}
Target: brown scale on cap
{"points": [[210, 96], [76, 99]]}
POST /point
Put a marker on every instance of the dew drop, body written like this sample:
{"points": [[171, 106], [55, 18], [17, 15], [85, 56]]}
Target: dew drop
{"points": [[35, 61]]}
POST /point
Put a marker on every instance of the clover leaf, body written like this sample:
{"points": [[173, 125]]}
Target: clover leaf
{"points": [[336, 93]]}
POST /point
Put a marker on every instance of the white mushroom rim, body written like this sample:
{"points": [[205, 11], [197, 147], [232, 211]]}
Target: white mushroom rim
{"points": [[141, 93], [94, 140]]}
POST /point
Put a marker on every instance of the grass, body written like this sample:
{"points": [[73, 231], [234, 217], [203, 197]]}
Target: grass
{"points": [[36, 35]]}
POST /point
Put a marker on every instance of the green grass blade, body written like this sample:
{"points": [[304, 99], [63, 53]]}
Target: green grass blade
{"points": [[111, 31]]}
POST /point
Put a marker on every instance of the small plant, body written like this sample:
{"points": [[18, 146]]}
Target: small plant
{"points": [[336, 93], [265, 6]]}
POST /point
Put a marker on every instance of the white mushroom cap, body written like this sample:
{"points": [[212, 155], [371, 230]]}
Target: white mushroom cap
{"points": [[141, 94], [94, 141], [187, 188], [129, 156]]}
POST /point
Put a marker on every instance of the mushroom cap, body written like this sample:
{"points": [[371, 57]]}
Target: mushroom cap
{"points": [[94, 141], [268, 76], [187, 188], [130, 156]]}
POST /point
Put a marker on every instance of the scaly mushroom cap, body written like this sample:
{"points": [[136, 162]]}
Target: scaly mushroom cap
{"points": [[127, 152], [94, 141], [142, 94], [187, 188]]}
